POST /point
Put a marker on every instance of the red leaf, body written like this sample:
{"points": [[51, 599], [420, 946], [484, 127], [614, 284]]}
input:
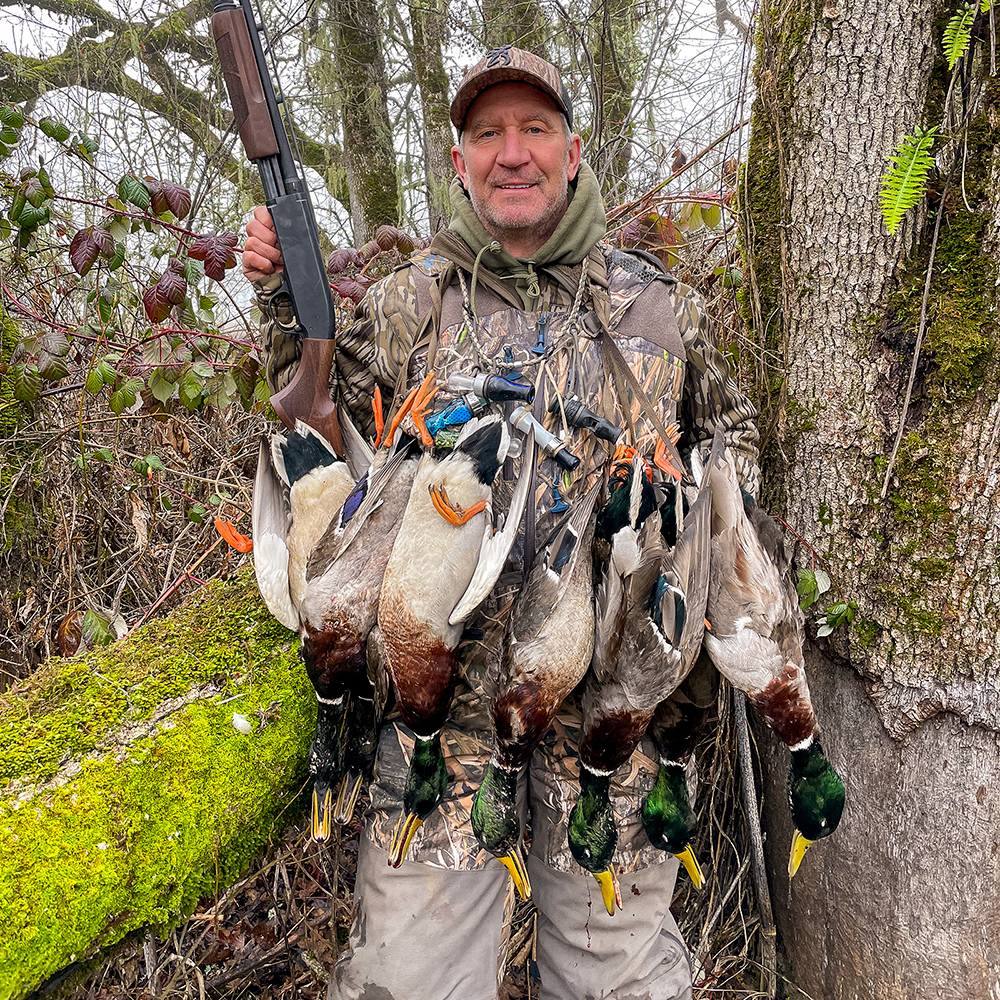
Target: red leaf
{"points": [[178, 199], [355, 258], [104, 240], [157, 200], [155, 303], [350, 289], [339, 260], [172, 282], [370, 249], [217, 253], [386, 236], [83, 251], [69, 634]]}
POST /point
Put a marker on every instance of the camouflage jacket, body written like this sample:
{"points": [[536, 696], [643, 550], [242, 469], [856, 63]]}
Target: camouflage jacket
{"points": [[386, 345]]}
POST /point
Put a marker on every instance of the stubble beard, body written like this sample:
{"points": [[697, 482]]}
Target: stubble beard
{"points": [[511, 225]]}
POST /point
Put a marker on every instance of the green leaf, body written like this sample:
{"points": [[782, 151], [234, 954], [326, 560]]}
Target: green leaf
{"points": [[118, 257], [54, 129], [107, 371], [11, 116], [712, 215], [104, 454], [95, 381], [96, 630], [160, 386], [196, 512], [194, 270], [189, 390], [133, 190], [906, 183], [957, 34], [9, 135], [27, 383]]}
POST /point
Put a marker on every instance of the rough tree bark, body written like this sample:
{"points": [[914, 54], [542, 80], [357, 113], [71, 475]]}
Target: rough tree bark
{"points": [[369, 156], [126, 791], [902, 901], [428, 20]]}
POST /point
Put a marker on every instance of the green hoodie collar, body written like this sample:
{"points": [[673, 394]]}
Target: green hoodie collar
{"points": [[579, 229]]}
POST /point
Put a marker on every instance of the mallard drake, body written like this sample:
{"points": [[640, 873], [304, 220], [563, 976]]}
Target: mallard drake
{"points": [[446, 532], [756, 642], [667, 816], [338, 612], [299, 487], [548, 646], [654, 599]]}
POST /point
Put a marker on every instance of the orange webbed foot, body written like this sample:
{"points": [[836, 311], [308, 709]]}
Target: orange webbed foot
{"points": [[379, 417], [399, 415], [453, 513], [665, 458], [421, 403]]}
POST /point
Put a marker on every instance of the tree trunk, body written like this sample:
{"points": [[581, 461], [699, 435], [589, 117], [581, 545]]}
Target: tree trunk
{"points": [[369, 156], [517, 22], [428, 22], [126, 791], [616, 64], [901, 902]]}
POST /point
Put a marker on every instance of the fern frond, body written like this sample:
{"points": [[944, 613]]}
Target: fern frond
{"points": [[957, 34], [906, 183], [984, 6]]}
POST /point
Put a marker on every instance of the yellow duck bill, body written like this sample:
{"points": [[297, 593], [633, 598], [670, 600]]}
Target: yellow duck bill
{"points": [[406, 826], [322, 812], [610, 891], [691, 866], [514, 863], [800, 845], [347, 798]]}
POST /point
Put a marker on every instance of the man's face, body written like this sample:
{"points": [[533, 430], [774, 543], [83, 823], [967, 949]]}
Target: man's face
{"points": [[516, 161]]}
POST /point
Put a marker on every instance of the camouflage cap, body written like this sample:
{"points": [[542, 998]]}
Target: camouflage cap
{"points": [[508, 63]]}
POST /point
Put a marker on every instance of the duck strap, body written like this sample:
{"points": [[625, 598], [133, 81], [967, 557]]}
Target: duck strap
{"points": [[618, 368], [427, 336]]}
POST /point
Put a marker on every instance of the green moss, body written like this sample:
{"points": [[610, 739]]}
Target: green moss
{"points": [[774, 139], [11, 412], [866, 631], [147, 826]]}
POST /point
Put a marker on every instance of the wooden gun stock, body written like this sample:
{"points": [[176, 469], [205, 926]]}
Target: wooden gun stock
{"points": [[309, 393]]}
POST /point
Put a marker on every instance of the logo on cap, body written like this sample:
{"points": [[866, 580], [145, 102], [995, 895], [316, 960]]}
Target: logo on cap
{"points": [[500, 56]]}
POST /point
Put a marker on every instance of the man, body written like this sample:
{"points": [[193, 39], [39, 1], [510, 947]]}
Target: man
{"points": [[521, 285]]}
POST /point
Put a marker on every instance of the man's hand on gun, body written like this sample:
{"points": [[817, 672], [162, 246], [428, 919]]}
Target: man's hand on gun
{"points": [[261, 255]]}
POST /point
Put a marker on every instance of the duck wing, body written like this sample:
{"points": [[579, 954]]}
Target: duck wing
{"points": [[497, 544], [270, 534]]}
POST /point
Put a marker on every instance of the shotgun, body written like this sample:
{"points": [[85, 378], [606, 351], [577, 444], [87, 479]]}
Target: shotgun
{"points": [[237, 34]]}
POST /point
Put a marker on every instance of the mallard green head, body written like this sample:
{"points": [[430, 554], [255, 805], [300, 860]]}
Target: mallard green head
{"points": [[593, 834], [631, 498], [816, 796], [669, 820], [426, 781], [496, 825]]}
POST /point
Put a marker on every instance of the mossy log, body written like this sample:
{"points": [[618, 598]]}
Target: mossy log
{"points": [[127, 792]]}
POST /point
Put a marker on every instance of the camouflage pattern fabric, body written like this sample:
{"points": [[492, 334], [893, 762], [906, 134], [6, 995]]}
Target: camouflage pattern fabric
{"points": [[378, 344], [446, 840]]}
